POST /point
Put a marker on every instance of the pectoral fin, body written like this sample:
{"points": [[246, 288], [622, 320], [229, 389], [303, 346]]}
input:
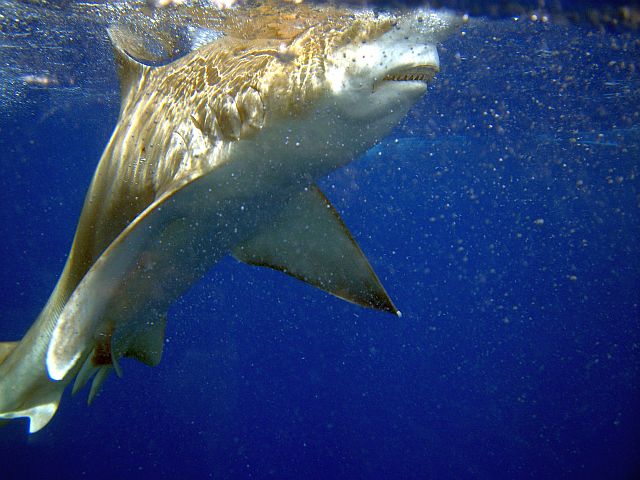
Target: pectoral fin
{"points": [[310, 242]]}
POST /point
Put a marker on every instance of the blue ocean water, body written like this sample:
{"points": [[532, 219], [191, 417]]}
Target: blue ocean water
{"points": [[502, 217]]}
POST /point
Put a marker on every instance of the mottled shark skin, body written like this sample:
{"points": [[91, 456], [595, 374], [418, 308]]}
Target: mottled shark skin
{"points": [[217, 153]]}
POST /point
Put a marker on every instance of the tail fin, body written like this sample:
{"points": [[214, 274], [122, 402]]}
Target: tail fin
{"points": [[25, 388], [38, 403], [38, 416]]}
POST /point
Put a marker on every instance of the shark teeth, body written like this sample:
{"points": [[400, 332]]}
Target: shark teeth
{"points": [[418, 74], [406, 78]]}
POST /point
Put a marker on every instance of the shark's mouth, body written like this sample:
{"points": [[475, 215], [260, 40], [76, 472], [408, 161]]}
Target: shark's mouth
{"points": [[421, 73]]}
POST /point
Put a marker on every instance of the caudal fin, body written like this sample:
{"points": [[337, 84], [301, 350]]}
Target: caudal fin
{"points": [[38, 416], [38, 403]]}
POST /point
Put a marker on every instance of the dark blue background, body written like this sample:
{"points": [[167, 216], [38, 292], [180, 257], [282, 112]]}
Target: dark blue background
{"points": [[502, 216]]}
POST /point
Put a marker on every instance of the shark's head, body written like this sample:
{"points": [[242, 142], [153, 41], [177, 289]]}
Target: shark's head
{"points": [[332, 80], [283, 62], [367, 66]]}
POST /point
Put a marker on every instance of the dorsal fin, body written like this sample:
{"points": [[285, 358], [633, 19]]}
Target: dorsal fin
{"points": [[130, 70]]}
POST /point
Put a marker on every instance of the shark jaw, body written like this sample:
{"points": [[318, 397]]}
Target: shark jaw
{"points": [[384, 78], [217, 153]]}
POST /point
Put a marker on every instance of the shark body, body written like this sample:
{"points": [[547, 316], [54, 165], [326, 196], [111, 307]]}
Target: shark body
{"points": [[217, 152]]}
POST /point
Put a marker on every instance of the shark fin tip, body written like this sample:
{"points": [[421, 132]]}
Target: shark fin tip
{"points": [[38, 416]]}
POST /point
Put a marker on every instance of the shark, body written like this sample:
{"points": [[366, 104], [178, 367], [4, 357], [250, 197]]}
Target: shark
{"points": [[217, 152]]}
